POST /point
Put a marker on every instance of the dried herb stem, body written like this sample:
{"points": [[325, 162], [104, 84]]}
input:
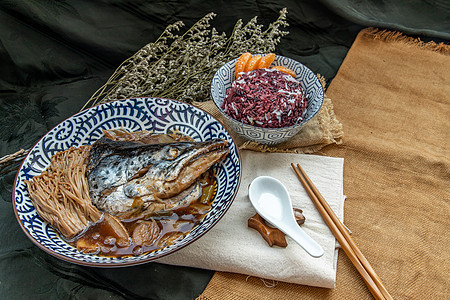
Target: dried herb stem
{"points": [[182, 66]]}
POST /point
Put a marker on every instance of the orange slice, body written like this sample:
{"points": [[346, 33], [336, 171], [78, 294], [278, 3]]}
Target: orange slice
{"points": [[266, 61], [242, 63], [284, 70], [253, 63]]}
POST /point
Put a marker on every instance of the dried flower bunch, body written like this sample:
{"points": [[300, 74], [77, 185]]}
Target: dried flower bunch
{"points": [[182, 66]]}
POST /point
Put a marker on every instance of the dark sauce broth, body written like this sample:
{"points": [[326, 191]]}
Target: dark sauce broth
{"points": [[159, 230]]}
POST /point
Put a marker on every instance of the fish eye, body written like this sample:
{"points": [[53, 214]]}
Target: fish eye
{"points": [[172, 153]]}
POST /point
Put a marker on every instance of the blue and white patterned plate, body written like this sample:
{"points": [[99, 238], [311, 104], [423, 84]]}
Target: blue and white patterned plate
{"points": [[155, 114], [223, 79]]}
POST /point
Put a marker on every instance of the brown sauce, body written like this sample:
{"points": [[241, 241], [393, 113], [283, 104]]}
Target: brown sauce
{"points": [[104, 240]]}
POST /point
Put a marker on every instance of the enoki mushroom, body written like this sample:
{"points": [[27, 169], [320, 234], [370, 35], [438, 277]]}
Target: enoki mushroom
{"points": [[61, 195]]}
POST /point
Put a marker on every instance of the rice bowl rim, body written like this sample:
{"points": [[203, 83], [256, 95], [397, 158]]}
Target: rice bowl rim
{"points": [[231, 65]]}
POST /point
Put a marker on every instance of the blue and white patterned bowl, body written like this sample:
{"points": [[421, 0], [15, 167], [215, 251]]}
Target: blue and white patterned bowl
{"points": [[223, 79], [84, 128]]}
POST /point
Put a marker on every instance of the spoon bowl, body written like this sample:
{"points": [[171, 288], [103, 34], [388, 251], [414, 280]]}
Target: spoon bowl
{"points": [[271, 201]]}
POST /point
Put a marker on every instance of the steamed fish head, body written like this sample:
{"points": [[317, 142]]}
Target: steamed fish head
{"points": [[127, 176]]}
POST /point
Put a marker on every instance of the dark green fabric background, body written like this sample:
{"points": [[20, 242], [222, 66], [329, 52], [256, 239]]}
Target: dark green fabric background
{"points": [[55, 54]]}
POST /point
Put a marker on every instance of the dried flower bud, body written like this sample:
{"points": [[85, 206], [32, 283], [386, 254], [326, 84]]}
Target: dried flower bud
{"points": [[182, 66]]}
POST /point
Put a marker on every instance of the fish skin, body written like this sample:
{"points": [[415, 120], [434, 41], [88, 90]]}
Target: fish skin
{"points": [[126, 176], [163, 206]]}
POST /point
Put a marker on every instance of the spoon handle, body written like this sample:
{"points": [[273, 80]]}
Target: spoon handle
{"points": [[304, 240]]}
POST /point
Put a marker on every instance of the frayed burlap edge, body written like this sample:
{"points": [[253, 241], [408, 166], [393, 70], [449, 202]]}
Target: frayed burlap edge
{"points": [[396, 36]]}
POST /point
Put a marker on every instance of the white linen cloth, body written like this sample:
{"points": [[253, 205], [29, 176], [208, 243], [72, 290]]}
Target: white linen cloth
{"points": [[232, 246]]}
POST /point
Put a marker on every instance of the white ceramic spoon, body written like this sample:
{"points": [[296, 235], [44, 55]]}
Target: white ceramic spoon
{"points": [[271, 201]]}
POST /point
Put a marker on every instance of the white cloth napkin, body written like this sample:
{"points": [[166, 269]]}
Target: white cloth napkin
{"points": [[232, 246]]}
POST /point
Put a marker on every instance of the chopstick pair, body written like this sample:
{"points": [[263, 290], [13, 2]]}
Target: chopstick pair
{"points": [[364, 268]]}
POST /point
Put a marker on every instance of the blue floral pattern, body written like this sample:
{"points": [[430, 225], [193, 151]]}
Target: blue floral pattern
{"points": [[154, 114], [223, 79]]}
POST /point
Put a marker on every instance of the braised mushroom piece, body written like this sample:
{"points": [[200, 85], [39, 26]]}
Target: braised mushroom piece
{"points": [[129, 193]]}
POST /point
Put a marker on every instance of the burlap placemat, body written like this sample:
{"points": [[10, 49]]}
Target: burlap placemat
{"points": [[322, 130], [392, 96]]}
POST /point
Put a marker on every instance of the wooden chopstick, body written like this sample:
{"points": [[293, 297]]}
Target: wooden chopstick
{"points": [[361, 264]]}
